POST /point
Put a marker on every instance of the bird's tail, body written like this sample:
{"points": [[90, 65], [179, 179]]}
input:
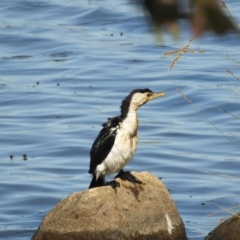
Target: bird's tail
{"points": [[97, 183]]}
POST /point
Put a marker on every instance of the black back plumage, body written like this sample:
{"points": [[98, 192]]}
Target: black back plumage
{"points": [[126, 102], [104, 142], [106, 137]]}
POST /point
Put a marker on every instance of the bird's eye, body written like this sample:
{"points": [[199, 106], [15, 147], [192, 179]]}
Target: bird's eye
{"points": [[149, 94]]}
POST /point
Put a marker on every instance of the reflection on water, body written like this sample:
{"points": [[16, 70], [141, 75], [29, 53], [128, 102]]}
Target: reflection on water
{"points": [[65, 68]]}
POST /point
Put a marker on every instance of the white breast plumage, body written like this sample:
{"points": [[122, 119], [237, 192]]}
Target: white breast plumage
{"points": [[124, 147]]}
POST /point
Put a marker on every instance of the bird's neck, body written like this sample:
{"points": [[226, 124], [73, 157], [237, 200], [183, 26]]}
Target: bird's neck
{"points": [[130, 123]]}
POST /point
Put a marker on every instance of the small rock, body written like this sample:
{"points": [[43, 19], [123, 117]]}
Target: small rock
{"points": [[229, 229], [132, 211]]}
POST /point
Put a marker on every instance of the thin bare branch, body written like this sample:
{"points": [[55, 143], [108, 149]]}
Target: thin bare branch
{"points": [[181, 51], [225, 209], [233, 75], [199, 111]]}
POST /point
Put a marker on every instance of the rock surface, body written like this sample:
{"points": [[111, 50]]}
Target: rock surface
{"points": [[227, 230], [133, 211]]}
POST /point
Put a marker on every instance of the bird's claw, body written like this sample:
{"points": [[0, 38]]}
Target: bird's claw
{"points": [[128, 176], [114, 184]]}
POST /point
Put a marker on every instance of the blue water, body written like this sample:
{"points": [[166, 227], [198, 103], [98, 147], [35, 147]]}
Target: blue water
{"points": [[65, 68]]}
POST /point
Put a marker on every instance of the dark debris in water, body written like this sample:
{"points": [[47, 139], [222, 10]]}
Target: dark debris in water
{"points": [[19, 57], [61, 54], [25, 157]]}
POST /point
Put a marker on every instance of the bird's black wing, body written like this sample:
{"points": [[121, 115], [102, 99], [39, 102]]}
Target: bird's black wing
{"points": [[103, 143]]}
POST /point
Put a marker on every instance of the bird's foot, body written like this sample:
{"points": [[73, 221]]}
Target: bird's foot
{"points": [[114, 184], [128, 177]]}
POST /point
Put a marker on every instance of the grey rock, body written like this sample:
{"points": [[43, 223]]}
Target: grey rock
{"points": [[133, 211]]}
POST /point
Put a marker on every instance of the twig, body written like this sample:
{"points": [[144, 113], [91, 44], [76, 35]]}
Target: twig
{"points": [[181, 51], [208, 215], [185, 97], [222, 110], [225, 209], [233, 75], [213, 173], [234, 22]]}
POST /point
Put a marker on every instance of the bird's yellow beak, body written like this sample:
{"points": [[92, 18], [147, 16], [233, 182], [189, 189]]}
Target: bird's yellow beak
{"points": [[156, 95]]}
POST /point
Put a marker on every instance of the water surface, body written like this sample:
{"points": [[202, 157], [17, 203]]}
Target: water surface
{"points": [[65, 68]]}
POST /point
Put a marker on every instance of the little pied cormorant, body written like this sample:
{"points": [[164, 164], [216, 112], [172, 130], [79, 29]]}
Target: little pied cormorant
{"points": [[117, 142]]}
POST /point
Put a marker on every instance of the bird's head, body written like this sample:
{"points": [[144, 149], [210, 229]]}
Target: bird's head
{"points": [[137, 98]]}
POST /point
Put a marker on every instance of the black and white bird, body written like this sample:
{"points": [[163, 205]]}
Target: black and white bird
{"points": [[117, 142]]}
